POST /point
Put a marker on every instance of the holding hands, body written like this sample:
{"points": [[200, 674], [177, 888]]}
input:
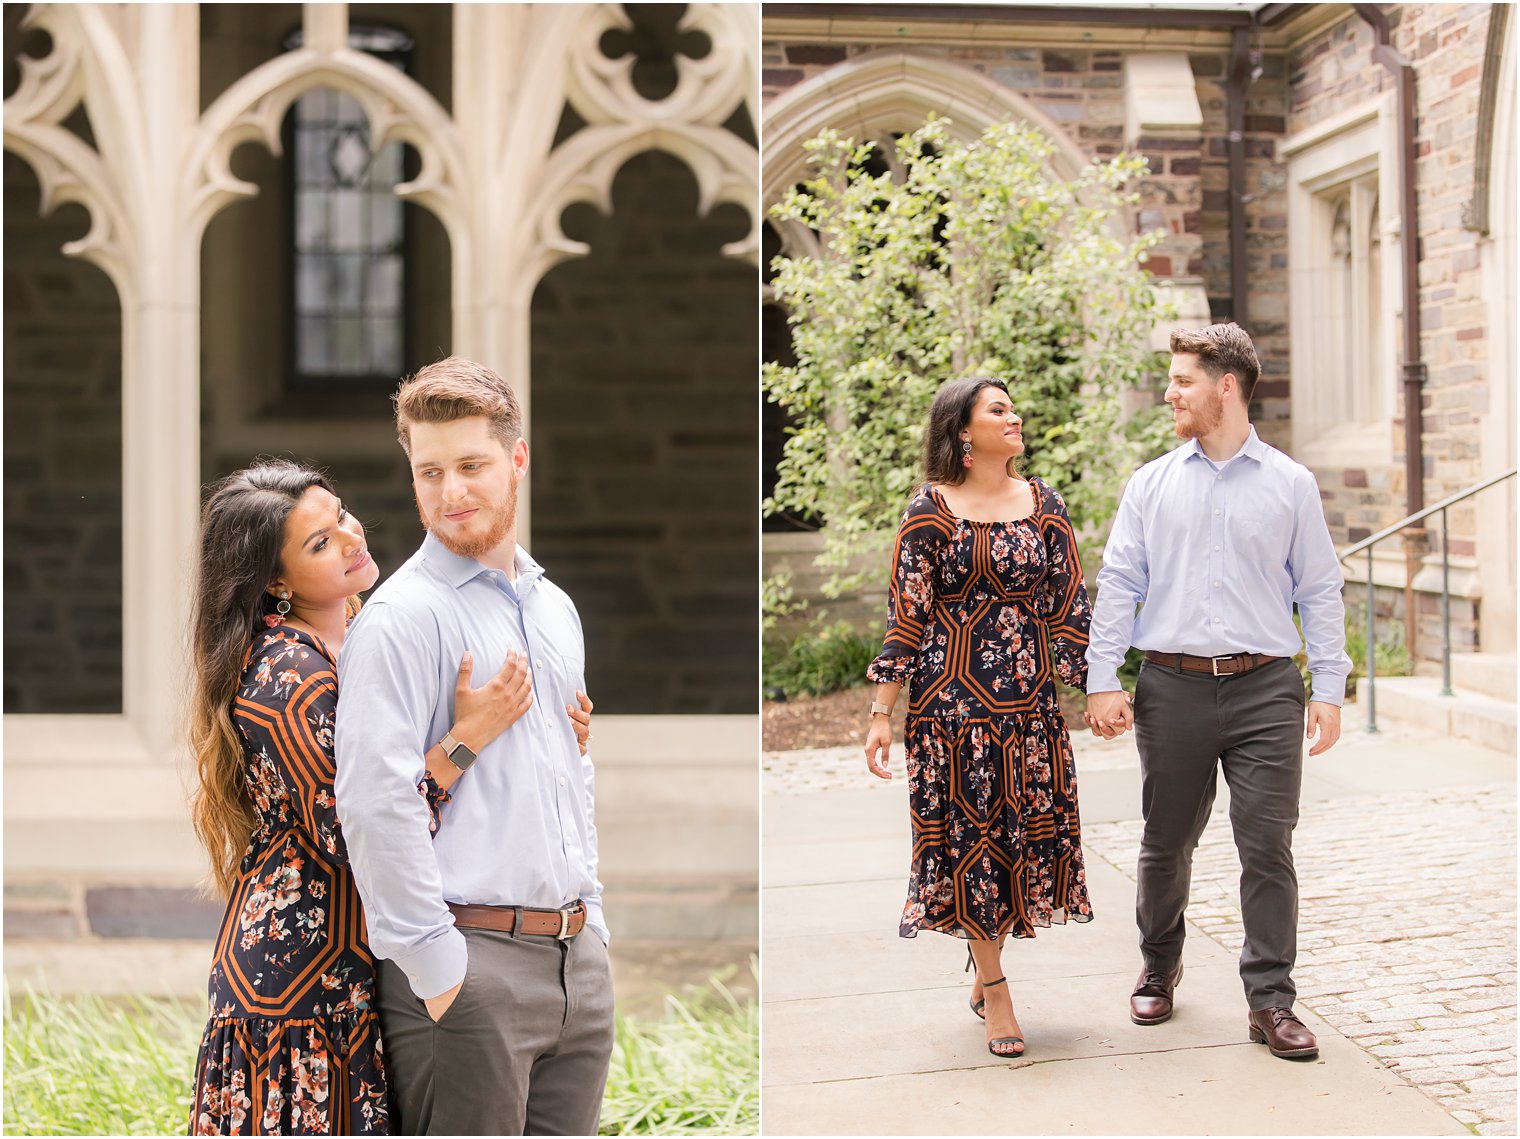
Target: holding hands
{"points": [[1109, 714]]}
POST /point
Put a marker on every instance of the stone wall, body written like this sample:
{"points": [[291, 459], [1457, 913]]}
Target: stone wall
{"points": [[643, 361], [644, 465], [62, 410]]}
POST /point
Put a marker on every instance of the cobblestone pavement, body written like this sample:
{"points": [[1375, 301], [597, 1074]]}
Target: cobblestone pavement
{"points": [[1406, 931]]}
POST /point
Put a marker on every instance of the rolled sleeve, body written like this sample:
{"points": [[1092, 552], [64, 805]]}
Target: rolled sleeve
{"points": [[388, 689]]}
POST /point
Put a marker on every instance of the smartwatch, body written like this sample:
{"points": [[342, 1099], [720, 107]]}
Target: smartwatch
{"points": [[459, 755]]}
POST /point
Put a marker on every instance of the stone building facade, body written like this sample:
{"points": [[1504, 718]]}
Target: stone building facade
{"points": [[1320, 229], [229, 230]]}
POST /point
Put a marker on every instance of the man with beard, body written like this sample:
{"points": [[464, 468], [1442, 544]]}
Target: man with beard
{"points": [[495, 992], [1216, 542]]}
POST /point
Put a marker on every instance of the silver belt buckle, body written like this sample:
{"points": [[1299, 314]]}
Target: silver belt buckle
{"points": [[1214, 661], [564, 925]]}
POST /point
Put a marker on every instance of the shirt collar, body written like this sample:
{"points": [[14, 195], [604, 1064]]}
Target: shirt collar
{"points": [[1252, 448], [456, 569]]}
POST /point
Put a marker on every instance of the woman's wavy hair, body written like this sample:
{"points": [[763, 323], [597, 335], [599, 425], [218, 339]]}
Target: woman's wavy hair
{"points": [[948, 416], [242, 532]]}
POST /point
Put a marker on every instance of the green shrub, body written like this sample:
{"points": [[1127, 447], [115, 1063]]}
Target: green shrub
{"points": [[972, 258], [819, 661]]}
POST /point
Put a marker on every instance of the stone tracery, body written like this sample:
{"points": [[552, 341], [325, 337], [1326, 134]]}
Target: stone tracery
{"points": [[489, 171]]}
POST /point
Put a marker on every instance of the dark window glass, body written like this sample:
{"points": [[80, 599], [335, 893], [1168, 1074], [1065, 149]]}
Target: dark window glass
{"points": [[348, 266]]}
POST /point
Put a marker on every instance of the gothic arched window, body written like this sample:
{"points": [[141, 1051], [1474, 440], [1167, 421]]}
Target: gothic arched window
{"points": [[347, 250]]}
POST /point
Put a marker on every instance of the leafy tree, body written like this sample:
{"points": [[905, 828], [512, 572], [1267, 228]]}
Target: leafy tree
{"points": [[971, 258]]}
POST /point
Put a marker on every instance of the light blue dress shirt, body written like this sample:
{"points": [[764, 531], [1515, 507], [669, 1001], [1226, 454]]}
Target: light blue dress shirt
{"points": [[519, 828], [1216, 556]]}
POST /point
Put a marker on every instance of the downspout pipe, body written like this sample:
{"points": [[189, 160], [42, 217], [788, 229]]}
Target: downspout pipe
{"points": [[1240, 79], [1414, 366]]}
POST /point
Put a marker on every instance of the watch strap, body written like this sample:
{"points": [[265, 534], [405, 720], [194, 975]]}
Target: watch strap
{"points": [[459, 754], [880, 709]]}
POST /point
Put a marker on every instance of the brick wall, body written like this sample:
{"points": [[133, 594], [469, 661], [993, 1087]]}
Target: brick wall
{"points": [[1330, 73], [62, 464], [644, 485], [1334, 71]]}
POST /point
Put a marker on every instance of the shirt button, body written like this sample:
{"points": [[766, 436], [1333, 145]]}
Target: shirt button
{"points": [[1218, 512], [1216, 585], [1216, 549], [1216, 620], [538, 663], [562, 781]]}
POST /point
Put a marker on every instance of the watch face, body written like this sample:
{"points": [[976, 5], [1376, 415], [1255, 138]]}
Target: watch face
{"points": [[461, 757]]}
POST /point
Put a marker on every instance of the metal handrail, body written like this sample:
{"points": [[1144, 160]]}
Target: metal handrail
{"points": [[1367, 544]]}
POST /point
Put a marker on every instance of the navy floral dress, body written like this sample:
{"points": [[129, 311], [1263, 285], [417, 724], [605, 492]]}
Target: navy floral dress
{"points": [[292, 1046], [977, 613]]}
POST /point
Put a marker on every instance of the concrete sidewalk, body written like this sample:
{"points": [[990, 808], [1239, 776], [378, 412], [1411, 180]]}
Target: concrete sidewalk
{"points": [[868, 1033]]}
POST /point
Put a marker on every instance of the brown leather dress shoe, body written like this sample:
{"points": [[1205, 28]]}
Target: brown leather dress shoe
{"points": [[1151, 1002], [1283, 1034]]}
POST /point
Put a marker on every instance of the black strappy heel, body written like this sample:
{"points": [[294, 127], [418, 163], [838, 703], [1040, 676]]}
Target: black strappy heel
{"points": [[996, 1040], [976, 1005]]}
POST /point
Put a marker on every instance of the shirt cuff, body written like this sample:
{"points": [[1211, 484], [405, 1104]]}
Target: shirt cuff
{"points": [[1328, 688], [1102, 678], [596, 921], [436, 967]]}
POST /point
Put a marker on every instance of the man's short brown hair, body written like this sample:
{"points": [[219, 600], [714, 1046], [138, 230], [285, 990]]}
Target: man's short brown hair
{"points": [[457, 388], [1222, 348]]}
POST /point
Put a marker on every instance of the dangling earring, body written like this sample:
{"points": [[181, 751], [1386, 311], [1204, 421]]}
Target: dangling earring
{"points": [[281, 607], [966, 453]]}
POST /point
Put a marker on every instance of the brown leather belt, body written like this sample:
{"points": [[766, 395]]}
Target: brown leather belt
{"points": [[563, 924], [1232, 665]]}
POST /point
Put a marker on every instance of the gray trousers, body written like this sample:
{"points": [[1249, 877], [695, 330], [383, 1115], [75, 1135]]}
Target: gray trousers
{"points": [[1188, 726], [523, 1050]]}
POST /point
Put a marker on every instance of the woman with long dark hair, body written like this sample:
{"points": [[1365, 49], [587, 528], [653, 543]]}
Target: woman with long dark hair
{"points": [[986, 595], [292, 1045]]}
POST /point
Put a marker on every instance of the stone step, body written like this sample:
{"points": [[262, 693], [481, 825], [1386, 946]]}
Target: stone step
{"points": [[1416, 702], [1492, 674]]}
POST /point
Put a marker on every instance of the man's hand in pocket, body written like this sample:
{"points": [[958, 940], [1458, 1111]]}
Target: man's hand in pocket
{"points": [[437, 1006]]}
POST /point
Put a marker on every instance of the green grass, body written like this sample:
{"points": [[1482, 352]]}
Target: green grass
{"points": [[87, 1066], [695, 1071]]}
